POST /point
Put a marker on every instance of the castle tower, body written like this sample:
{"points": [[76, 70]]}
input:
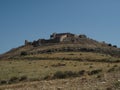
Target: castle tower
{"points": [[26, 42]]}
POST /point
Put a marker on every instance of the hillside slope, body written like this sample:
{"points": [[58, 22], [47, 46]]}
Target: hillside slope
{"points": [[81, 44], [76, 63]]}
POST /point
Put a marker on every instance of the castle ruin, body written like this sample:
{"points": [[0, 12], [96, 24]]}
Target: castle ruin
{"points": [[56, 38]]}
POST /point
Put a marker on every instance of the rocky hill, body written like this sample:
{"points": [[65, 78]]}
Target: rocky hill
{"points": [[62, 42], [64, 62]]}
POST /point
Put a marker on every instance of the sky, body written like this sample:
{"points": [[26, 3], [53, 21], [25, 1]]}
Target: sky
{"points": [[33, 19]]}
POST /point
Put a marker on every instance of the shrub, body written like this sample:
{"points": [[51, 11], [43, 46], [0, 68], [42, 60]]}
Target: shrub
{"points": [[111, 69], [82, 72], [95, 72], [115, 46], [23, 78], [59, 74], [110, 44], [109, 88], [115, 66], [47, 77], [66, 74], [24, 53], [71, 54], [90, 66], [34, 79], [3, 82], [58, 65], [70, 74], [13, 80]]}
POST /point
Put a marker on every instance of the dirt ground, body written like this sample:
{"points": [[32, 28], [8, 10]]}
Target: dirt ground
{"points": [[107, 82]]}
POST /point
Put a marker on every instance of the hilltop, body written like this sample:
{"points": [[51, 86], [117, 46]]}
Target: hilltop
{"points": [[62, 42]]}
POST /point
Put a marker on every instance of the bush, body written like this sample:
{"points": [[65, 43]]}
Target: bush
{"points": [[95, 72], [3, 82], [115, 66], [23, 78], [59, 74], [23, 53], [58, 65], [70, 74], [110, 44], [47, 77], [90, 66], [67, 74], [115, 46], [71, 54], [82, 72], [109, 88], [111, 69], [13, 80]]}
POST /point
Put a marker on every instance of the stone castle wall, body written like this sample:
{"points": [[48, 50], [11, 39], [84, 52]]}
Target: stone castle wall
{"points": [[56, 38]]}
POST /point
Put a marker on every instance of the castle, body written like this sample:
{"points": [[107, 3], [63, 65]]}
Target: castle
{"points": [[56, 38]]}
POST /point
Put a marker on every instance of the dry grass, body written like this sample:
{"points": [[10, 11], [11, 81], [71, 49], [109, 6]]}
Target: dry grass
{"points": [[79, 56], [108, 82], [37, 70]]}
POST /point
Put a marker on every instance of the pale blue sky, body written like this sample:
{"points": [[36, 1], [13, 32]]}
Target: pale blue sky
{"points": [[34, 19]]}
